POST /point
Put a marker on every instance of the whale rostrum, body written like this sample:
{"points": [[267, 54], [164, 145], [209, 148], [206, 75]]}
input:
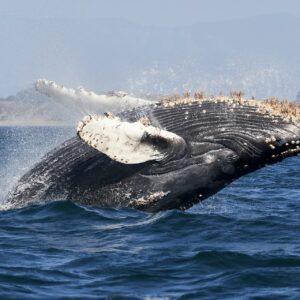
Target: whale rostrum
{"points": [[167, 155]]}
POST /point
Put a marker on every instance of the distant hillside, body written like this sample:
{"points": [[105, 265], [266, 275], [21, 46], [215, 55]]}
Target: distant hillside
{"points": [[29, 108]]}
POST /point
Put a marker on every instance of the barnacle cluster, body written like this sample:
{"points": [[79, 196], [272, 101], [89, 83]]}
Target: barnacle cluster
{"points": [[289, 111], [145, 121], [149, 199]]}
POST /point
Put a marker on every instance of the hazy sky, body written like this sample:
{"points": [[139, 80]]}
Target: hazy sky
{"points": [[151, 12], [87, 42]]}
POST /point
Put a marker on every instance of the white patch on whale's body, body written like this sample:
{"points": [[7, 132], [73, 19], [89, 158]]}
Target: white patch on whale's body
{"points": [[86, 101], [127, 143]]}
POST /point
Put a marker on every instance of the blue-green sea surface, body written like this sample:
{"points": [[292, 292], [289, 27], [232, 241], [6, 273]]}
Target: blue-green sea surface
{"points": [[243, 243]]}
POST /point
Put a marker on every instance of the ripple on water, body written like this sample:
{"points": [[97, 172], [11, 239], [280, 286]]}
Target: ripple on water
{"points": [[242, 243]]}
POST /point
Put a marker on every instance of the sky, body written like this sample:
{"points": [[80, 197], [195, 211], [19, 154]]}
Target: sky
{"points": [[168, 13], [153, 46]]}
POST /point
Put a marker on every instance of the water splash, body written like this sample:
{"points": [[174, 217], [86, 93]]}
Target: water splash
{"points": [[22, 147], [49, 103], [85, 102]]}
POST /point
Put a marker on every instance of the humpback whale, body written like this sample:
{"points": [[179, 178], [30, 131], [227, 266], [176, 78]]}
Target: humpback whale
{"points": [[166, 155]]}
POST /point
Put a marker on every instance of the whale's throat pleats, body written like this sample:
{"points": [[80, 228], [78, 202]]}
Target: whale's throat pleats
{"points": [[192, 133], [252, 133]]}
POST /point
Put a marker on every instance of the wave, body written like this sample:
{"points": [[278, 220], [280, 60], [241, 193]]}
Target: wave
{"points": [[128, 254]]}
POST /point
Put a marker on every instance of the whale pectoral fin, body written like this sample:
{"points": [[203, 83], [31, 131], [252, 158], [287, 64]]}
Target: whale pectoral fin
{"points": [[130, 143]]}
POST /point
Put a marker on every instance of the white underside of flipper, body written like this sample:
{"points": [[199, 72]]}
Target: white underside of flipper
{"points": [[128, 143]]}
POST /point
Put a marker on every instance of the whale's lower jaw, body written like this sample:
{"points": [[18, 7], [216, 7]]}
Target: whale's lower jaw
{"points": [[198, 148]]}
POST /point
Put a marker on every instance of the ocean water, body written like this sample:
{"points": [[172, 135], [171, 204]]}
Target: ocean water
{"points": [[243, 243]]}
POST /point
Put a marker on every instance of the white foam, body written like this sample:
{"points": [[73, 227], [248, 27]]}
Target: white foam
{"points": [[87, 102]]}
